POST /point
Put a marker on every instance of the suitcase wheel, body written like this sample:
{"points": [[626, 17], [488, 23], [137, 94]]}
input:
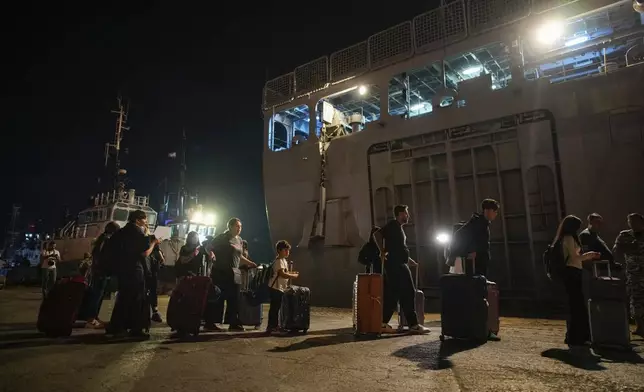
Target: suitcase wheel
{"points": [[441, 338]]}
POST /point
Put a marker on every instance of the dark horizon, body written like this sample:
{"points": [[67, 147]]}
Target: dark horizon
{"points": [[180, 67]]}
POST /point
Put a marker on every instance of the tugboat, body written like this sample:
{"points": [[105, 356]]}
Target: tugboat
{"points": [[77, 236]]}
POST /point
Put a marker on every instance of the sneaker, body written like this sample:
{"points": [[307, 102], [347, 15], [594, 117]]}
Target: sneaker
{"points": [[94, 324], [419, 330], [493, 337], [236, 328], [156, 317], [386, 328], [212, 328]]}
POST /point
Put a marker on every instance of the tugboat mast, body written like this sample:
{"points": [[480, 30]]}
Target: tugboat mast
{"points": [[115, 147]]}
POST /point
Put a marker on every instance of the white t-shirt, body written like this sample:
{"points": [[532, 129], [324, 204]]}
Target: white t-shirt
{"points": [[277, 282], [47, 253]]}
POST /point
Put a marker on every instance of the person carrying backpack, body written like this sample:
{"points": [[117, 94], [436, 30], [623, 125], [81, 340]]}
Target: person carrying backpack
{"points": [[100, 276], [564, 262], [472, 241]]}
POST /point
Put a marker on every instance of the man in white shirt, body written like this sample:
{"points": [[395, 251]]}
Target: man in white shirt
{"points": [[49, 258]]}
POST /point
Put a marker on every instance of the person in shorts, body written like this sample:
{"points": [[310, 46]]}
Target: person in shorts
{"points": [[278, 283]]}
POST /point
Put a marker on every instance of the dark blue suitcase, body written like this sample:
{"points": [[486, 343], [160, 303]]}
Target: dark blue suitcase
{"points": [[295, 312], [464, 307]]}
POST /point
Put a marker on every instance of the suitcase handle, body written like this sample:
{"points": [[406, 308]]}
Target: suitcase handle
{"points": [[595, 274]]}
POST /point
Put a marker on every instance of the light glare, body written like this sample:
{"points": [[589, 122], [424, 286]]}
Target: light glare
{"points": [[362, 90], [443, 238], [549, 32]]}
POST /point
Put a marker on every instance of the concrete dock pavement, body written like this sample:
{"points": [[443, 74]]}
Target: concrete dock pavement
{"points": [[530, 357]]}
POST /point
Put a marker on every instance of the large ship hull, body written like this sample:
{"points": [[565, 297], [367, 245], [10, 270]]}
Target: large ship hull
{"points": [[542, 150]]}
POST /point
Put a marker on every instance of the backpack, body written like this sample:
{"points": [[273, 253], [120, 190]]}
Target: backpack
{"points": [[109, 253], [259, 286], [459, 237], [369, 254], [553, 261]]}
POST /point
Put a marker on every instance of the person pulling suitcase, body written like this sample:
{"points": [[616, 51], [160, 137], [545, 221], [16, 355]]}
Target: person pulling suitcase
{"points": [[399, 284]]}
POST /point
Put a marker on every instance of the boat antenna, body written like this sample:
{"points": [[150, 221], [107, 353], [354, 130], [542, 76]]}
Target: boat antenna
{"points": [[182, 176], [115, 147]]}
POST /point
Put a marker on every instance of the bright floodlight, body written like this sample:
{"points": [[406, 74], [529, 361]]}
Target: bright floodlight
{"points": [[549, 32], [197, 217], [209, 219], [443, 238], [362, 90]]}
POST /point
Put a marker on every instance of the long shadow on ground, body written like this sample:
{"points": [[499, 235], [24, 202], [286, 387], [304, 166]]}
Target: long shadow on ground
{"points": [[435, 355]]}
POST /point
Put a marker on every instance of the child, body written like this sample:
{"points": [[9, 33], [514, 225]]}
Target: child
{"points": [[278, 283]]}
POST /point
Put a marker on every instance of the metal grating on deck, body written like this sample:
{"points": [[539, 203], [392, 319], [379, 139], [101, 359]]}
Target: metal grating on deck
{"points": [[391, 45], [488, 14], [279, 90], [312, 76], [350, 61], [440, 27]]}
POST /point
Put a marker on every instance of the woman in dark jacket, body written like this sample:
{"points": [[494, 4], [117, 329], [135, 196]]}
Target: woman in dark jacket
{"points": [[187, 264]]}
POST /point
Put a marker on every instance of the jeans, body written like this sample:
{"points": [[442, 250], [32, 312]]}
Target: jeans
{"points": [[153, 299], [399, 286], [94, 298], [48, 280], [274, 310], [577, 326]]}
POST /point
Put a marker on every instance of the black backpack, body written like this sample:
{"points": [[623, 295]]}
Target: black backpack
{"points": [[553, 261], [369, 254], [459, 237], [259, 287]]}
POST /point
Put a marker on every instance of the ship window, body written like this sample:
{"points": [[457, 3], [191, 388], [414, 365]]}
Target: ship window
{"points": [[350, 110], [120, 215], [588, 31], [411, 93], [288, 127], [152, 219]]}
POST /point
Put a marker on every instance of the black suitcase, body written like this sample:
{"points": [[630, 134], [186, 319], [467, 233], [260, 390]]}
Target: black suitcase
{"points": [[464, 307], [295, 312], [607, 312]]}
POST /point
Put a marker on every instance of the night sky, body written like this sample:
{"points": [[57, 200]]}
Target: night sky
{"points": [[199, 67]]}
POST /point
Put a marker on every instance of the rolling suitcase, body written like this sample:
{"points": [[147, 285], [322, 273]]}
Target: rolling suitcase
{"points": [[607, 313], [59, 309], [250, 312], [295, 312], [464, 307], [419, 304], [188, 302], [493, 321], [367, 304]]}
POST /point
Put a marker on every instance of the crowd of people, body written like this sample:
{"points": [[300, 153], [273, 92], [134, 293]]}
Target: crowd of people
{"points": [[132, 255], [470, 248]]}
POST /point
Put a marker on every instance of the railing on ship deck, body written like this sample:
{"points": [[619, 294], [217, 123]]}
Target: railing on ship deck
{"points": [[429, 31]]}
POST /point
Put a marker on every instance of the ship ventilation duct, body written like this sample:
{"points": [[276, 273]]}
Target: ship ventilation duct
{"points": [[130, 196], [355, 120], [638, 6]]}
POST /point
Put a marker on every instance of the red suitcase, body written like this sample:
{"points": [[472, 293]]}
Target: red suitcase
{"points": [[187, 304], [59, 309]]}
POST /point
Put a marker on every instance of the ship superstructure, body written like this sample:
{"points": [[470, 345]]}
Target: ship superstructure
{"points": [[538, 104], [77, 236]]}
